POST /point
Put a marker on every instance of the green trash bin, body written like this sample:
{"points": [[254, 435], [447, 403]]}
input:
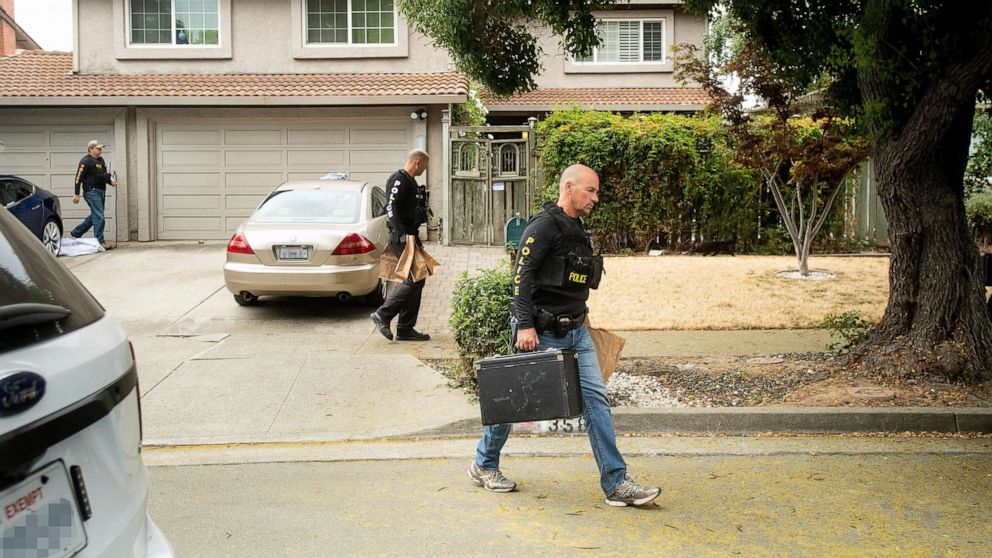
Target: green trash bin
{"points": [[513, 230]]}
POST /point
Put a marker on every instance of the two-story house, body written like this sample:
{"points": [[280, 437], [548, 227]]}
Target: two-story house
{"points": [[206, 105]]}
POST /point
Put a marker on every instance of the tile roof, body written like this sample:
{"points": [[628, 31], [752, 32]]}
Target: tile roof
{"points": [[49, 74], [602, 98]]}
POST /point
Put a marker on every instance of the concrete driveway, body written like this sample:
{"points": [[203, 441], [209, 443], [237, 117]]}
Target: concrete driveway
{"points": [[290, 369]]}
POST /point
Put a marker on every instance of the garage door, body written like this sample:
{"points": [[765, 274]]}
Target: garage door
{"points": [[212, 175], [48, 155]]}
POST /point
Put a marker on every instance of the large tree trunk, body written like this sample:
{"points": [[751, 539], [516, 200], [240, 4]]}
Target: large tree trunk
{"points": [[936, 322]]}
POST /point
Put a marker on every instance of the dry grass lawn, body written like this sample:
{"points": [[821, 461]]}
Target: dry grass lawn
{"points": [[743, 292]]}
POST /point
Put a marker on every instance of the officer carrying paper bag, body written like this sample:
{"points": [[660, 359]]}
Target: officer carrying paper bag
{"points": [[407, 209]]}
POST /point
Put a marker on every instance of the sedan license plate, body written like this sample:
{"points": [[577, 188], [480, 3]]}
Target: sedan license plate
{"points": [[39, 516], [294, 252]]}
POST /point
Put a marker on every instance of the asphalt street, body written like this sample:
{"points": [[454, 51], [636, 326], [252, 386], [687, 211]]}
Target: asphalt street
{"points": [[759, 496]]}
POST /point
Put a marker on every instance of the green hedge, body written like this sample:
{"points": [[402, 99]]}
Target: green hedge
{"points": [[662, 176]]}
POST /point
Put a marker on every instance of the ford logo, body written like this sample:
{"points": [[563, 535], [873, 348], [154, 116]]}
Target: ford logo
{"points": [[19, 392]]}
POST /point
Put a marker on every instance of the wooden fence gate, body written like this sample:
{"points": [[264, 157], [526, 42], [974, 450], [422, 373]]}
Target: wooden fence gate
{"points": [[490, 173]]}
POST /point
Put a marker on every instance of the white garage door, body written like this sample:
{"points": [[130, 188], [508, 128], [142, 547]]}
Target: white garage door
{"points": [[212, 175], [48, 156]]}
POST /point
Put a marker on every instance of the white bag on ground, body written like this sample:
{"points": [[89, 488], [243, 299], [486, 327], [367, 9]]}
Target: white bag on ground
{"points": [[79, 246]]}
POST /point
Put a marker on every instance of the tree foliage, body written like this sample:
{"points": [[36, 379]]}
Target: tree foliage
{"points": [[901, 44], [495, 43]]}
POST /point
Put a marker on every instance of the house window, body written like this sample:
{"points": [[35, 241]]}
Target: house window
{"points": [[174, 22], [355, 22], [628, 41]]}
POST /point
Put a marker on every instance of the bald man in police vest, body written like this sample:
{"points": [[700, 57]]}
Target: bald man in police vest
{"points": [[554, 270]]}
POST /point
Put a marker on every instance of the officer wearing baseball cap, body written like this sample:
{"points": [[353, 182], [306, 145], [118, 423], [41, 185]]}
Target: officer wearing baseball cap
{"points": [[93, 176]]}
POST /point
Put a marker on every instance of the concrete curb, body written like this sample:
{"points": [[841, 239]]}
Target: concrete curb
{"points": [[755, 420]]}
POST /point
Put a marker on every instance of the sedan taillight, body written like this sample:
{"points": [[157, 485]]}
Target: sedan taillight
{"points": [[353, 244], [239, 244]]}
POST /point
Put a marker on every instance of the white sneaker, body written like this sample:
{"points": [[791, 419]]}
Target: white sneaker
{"points": [[490, 479]]}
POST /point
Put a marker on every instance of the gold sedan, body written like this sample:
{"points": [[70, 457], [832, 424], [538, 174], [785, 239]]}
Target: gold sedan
{"points": [[317, 238]]}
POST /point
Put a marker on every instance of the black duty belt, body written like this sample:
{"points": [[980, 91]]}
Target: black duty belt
{"points": [[559, 324]]}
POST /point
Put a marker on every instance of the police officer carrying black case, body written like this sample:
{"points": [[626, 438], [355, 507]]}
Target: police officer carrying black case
{"points": [[554, 270]]}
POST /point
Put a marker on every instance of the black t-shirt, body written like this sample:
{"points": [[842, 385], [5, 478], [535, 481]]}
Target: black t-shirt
{"points": [[543, 238], [92, 173]]}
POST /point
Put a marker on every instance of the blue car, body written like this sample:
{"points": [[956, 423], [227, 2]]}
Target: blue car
{"points": [[37, 208]]}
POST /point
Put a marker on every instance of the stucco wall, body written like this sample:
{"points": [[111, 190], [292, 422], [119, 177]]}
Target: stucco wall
{"points": [[261, 42], [686, 29]]}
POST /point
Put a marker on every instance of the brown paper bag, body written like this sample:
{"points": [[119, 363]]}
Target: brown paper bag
{"points": [[387, 267], [608, 345], [414, 261], [423, 264]]}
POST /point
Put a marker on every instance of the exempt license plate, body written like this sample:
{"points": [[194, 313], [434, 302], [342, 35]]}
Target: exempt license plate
{"points": [[294, 252], [39, 516]]}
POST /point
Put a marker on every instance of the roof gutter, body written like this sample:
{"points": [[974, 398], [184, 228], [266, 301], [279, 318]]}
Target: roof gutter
{"points": [[599, 106], [263, 101]]}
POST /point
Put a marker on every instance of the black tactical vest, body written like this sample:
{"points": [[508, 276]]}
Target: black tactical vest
{"points": [[571, 265]]}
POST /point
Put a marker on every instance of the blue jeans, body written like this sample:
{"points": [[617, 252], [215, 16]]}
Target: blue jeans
{"points": [[598, 419], [95, 199]]}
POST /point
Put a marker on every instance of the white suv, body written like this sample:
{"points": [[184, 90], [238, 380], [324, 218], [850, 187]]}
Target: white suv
{"points": [[72, 482]]}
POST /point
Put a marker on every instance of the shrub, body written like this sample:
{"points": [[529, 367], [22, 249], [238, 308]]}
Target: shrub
{"points": [[978, 174], [850, 327], [662, 176], [480, 319], [979, 211]]}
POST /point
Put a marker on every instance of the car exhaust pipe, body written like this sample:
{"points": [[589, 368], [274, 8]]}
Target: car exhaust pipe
{"points": [[344, 297]]}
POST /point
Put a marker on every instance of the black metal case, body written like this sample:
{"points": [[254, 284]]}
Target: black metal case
{"points": [[529, 386]]}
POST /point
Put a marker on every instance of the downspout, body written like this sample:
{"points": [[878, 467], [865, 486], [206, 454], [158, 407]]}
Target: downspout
{"points": [[75, 37], [446, 174]]}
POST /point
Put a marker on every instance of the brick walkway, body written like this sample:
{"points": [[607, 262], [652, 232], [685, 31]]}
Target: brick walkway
{"points": [[435, 307]]}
